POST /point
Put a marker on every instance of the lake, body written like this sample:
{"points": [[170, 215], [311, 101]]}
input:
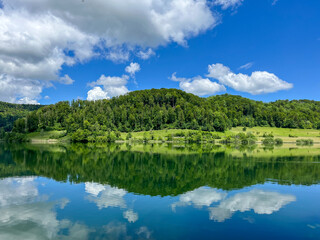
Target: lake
{"points": [[158, 191]]}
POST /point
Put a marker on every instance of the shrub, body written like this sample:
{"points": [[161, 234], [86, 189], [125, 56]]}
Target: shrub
{"points": [[80, 136], [304, 142], [268, 141], [216, 136], [152, 137], [266, 135], [180, 134], [292, 136], [129, 135], [278, 141], [118, 134], [198, 137], [145, 137], [227, 140], [169, 137], [15, 137]]}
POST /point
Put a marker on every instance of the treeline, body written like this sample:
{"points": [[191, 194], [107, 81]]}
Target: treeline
{"points": [[10, 112], [167, 109]]}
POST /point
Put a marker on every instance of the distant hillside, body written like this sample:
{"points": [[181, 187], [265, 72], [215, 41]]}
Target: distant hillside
{"points": [[10, 112], [168, 108]]}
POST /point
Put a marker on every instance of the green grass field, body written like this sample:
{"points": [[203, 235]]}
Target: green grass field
{"points": [[157, 133], [282, 133], [257, 131], [50, 135]]}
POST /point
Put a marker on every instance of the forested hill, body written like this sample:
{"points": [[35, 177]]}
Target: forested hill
{"points": [[10, 112], [169, 108]]}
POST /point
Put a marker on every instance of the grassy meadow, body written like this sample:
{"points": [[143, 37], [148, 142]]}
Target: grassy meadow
{"points": [[289, 136]]}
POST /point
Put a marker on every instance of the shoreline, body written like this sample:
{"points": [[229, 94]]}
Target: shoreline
{"points": [[234, 136], [260, 143]]}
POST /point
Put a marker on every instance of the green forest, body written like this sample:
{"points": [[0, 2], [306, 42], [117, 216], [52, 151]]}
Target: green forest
{"points": [[157, 109], [10, 112]]}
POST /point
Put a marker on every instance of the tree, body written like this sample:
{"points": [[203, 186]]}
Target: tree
{"points": [[32, 122], [220, 123]]}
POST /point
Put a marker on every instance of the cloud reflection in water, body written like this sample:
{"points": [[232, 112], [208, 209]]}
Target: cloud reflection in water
{"points": [[25, 214], [106, 196], [260, 201]]}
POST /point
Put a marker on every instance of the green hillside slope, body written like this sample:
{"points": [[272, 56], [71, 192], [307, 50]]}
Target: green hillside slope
{"points": [[157, 109]]}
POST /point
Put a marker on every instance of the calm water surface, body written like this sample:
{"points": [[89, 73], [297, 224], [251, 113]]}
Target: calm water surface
{"points": [[158, 192]]}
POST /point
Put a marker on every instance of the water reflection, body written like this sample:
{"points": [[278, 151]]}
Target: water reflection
{"points": [[261, 202], [158, 173], [199, 198], [118, 230], [131, 216], [115, 230], [92, 192], [15, 191], [105, 196], [25, 214]]}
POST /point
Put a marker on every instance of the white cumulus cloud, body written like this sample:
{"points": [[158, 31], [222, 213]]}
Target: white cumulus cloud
{"points": [[96, 94], [198, 85], [112, 87], [39, 37], [259, 82], [26, 100], [144, 23], [228, 3], [32, 48], [66, 80], [146, 54], [133, 68], [19, 90]]}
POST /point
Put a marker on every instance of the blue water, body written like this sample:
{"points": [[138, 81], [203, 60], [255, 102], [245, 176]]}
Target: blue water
{"points": [[34, 206]]}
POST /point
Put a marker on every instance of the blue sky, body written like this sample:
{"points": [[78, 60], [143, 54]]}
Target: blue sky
{"points": [[274, 45]]}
